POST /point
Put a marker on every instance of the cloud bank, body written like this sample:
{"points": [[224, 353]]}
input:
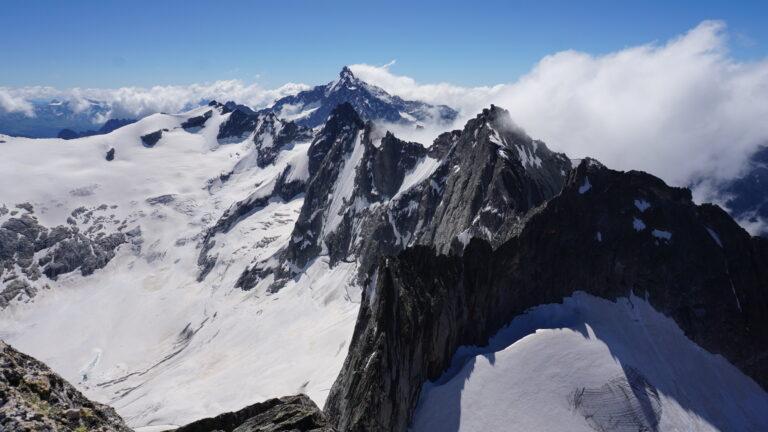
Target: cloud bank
{"points": [[135, 102], [682, 110]]}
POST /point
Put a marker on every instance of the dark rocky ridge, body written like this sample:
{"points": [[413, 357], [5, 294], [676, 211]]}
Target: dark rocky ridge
{"points": [[291, 413], [312, 107], [271, 135], [422, 305], [197, 122], [109, 126], [483, 179], [62, 249], [34, 398]]}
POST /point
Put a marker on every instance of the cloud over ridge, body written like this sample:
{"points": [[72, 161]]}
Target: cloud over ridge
{"points": [[135, 102], [682, 110]]}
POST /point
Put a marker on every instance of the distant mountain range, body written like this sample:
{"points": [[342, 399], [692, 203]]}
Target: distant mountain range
{"points": [[56, 118], [51, 116], [108, 127]]}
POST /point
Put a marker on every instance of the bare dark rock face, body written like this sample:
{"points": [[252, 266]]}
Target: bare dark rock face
{"points": [[478, 182], [35, 399], [691, 262], [61, 249], [291, 413], [197, 122], [150, 139]]}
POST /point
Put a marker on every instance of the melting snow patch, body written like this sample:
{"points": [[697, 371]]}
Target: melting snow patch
{"points": [[637, 224], [642, 205], [586, 186], [599, 237]]}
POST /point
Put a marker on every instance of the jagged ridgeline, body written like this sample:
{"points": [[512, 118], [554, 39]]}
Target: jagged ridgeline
{"points": [[368, 195], [312, 107], [446, 244], [610, 234]]}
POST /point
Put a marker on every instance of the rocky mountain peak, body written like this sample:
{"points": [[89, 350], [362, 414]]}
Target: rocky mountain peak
{"points": [[343, 115], [312, 107], [346, 75]]}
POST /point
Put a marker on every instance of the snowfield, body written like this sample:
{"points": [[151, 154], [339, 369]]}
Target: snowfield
{"points": [[591, 364], [142, 334]]}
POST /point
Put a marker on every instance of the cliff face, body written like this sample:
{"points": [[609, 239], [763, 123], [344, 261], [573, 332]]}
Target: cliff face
{"points": [[369, 195], [692, 263], [34, 398]]}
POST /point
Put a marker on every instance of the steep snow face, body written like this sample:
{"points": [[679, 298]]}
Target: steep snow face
{"points": [[591, 364], [142, 334]]}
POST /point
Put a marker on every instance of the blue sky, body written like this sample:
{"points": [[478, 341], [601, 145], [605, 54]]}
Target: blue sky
{"points": [[144, 43]]}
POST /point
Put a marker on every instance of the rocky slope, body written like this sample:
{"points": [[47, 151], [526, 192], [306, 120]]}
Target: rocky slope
{"points": [[693, 263], [369, 194], [291, 413], [34, 398], [30, 252], [312, 107]]}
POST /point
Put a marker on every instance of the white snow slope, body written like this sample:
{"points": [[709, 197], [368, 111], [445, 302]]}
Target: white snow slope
{"points": [[591, 364], [142, 334]]}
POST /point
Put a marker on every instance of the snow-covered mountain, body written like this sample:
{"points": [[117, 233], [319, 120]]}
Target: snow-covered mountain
{"points": [[137, 330], [187, 265], [312, 107]]}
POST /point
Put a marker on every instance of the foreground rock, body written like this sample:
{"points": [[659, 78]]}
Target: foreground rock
{"points": [[34, 398], [608, 233], [291, 413]]}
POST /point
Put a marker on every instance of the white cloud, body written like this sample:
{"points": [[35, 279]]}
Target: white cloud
{"points": [[12, 103], [681, 110], [136, 102]]}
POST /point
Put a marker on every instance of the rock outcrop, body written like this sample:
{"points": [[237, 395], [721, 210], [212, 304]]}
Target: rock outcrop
{"points": [[291, 413], [35, 399], [59, 250], [642, 237], [371, 194]]}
